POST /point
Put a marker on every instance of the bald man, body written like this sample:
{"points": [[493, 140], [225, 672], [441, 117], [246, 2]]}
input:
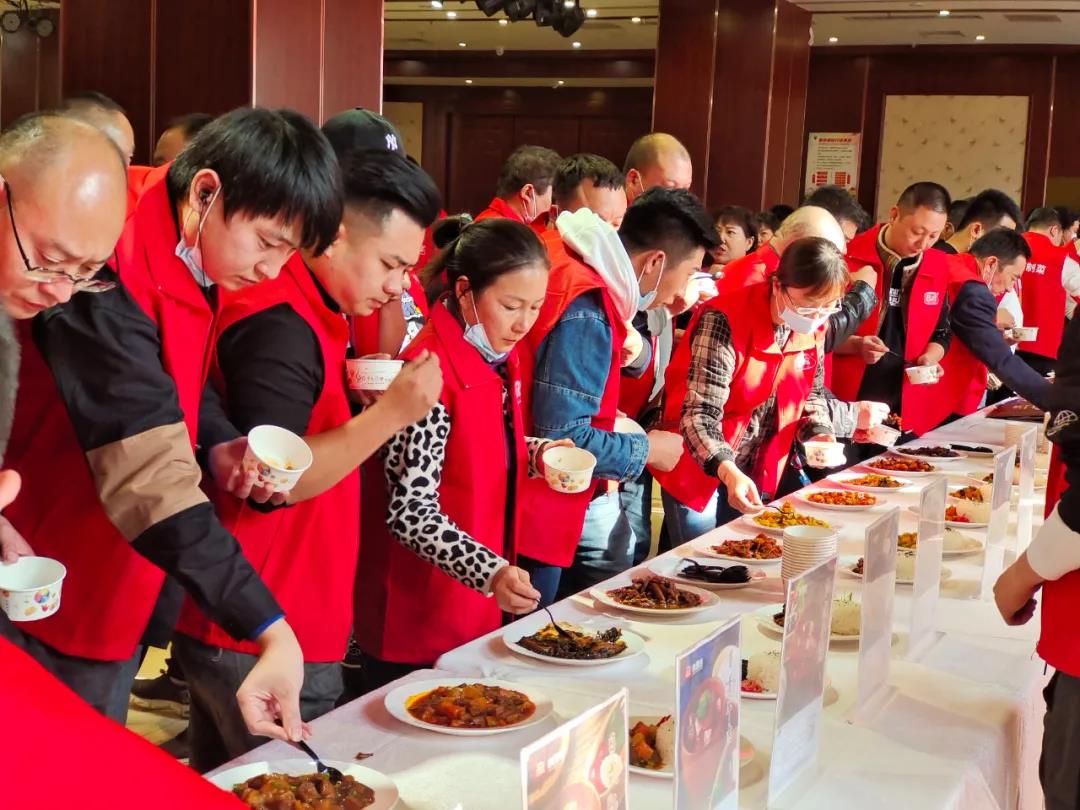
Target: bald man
{"points": [[656, 159], [98, 110]]}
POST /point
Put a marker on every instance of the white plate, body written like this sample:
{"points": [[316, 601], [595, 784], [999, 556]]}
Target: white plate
{"points": [[748, 520], [906, 453], [844, 479], [758, 695], [804, 497], [669, 567], [952, 524], [746, 750], [635, 644], [975, 547], [847, 563], [705, 549], [397, 700], [386, 792], [708, 600], [994, 449], [765, 615], [868, 467]]}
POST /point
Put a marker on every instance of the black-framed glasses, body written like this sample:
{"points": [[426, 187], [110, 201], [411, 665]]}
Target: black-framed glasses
{"points": [[45, 275]]}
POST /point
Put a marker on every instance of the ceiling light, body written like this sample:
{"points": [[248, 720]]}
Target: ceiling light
{"points": [[560, 82], [569, 3], [980, 37], [436, 3], [635, 20], [504, 21], [834, 39], [468, 81], [451, 15], [591, 13], [575, 44], [944, 12], [462, 44]]}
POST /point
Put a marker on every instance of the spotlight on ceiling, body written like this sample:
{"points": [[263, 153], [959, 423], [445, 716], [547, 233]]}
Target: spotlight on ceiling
{"points": [[570, 21], [518, 10], [490, 7]]}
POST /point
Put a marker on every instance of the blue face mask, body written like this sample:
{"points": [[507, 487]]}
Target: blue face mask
{"points": [[645, 301], [476, 336], [192, 256]]}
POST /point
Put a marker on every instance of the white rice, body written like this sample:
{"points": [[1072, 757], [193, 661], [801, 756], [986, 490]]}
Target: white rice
{"points": [[764, 668], [846, 616], [665, 743]]}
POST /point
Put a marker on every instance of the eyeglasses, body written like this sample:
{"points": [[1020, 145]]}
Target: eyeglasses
{"points": [[45, 275], [811, 312]]}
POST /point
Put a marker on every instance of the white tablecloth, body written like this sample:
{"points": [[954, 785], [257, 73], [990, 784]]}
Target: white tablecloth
{"points": [[962, 728]]}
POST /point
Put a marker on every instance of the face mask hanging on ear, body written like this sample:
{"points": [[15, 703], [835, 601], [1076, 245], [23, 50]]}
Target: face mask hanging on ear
{"points": [[645, 301], [476, 336], [192, 256]]}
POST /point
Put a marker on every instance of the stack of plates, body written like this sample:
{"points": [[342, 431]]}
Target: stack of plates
{"points": [[805, 547]]}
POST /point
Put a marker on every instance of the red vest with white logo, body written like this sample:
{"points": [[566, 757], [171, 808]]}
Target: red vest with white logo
{"points": [[1042, 296], [560, 514], [928, 294], [407, 610], [761, 367], [306, 553], [110, 590]]}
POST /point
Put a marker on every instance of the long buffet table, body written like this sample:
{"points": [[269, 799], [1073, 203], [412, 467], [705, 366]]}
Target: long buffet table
{"points": [[962, 728]]}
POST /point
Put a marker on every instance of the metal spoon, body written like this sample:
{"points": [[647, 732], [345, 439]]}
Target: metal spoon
{"points": [[558, 629], [334, 774]]}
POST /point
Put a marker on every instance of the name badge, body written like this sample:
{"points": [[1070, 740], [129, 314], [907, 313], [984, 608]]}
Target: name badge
{"points": [[894, 297], [931, 299]]}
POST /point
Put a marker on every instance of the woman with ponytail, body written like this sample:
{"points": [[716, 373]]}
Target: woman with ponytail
{"points": [[441, 570]]}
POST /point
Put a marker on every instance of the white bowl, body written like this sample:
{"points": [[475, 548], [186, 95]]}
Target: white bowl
{"points": [[923, 375], [371, 374], [625, 424], [30, 588], [883, 435], [1024, 333], [824, 454], [278, 456], [568, 469]]}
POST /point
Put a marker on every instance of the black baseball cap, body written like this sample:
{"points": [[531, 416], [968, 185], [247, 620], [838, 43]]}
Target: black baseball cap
{"points": [[360, 129]]}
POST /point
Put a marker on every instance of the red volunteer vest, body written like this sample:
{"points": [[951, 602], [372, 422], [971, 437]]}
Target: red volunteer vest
{"points": [[1042, 296], [634, 391], [1060, 598], [97, 750], [499, 208], [109, 591], [750, 269], [928, 294], [563, 515], [761, 367], [962, 388], [407, 610], [310, 548]]}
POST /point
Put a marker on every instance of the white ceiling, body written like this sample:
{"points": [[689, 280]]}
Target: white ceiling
{"points": [[415, 25]]}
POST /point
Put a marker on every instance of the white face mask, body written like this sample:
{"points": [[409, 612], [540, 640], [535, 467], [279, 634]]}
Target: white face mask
{"points": [[646, 300], [476, 336], [801, 324], [192, 256]]}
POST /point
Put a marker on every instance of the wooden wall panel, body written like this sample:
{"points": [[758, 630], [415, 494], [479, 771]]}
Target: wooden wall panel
{"points": [[288, 55], [611, 136], [18, 75], [1063, 180], [353, 55], [561, 133], [203, 59], [106, 46], [478, 146], [784, 178]]}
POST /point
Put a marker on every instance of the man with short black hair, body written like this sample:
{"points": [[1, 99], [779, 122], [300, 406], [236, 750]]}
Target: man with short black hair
{"points": [[599, 280], [1051, 279], [956, 214], [523, 192], [113, 484], [985, 211], [656, 159], [98, 110], [593, 182], [911, 318], [838, 201], [1070, 223], [177, 135]]}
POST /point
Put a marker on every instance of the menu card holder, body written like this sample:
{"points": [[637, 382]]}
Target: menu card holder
{"points": [[1025, 511], [707, 694], [876, 619], [797, 733], [583, 763], [927, 587], [1001, 491]]}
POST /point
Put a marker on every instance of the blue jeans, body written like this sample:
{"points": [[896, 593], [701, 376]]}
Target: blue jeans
{"points": [[606, 547], [685, 524], [636, 497], [545, 578]]}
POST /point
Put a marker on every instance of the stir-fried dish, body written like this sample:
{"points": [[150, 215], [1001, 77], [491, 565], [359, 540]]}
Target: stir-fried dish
{"points": [[658, 593], [472, 705], [760, 547], [278, 791], [576, 645], [785, 518]]}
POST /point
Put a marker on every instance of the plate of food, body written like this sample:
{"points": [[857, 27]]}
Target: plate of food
{"points": [[905, 567], [468, 709], [1042, 477], [774, 521], [839, 500], [975, 493], [960, 514], [705, 573], [976, 450], [761, 675], [874, 483], [908, 467], [937, 452], [955, 544], [293, 783], [652, 746], [757, 550], [846, 619], [651, 595], [579, 647]]}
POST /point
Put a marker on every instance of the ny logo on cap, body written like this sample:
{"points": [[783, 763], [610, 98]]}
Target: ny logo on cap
{"points": [[391, 141]]}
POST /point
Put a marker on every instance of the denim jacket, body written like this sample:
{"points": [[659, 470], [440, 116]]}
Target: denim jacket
{"points": [[572, 365]]}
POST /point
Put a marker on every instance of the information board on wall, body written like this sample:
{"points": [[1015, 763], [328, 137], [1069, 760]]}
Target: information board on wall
{"points": [[832, 159]]}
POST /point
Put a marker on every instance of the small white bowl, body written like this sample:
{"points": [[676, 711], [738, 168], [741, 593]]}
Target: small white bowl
{"points": [[923, 375], [1024, 334], [278, 456], [371, 374], [30, 588], [824, 454], [883, 435], [568, 469]]}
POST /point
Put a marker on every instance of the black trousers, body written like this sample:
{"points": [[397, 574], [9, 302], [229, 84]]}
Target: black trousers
{"points": [[1059, 767]]}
